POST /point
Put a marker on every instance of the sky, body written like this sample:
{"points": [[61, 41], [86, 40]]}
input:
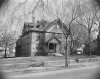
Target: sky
{"points": [[13, 13]]}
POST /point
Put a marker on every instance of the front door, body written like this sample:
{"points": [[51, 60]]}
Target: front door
{"points": [[52, 47]]}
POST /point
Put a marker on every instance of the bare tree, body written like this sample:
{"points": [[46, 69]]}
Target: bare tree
{"points": [[88, 21], [67, 18], [74, 13], [61, 12], [43, 6], [6, 39]]}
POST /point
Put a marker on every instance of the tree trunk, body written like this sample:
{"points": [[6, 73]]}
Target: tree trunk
{"points": [[66, 55], [5, 55], [89, 41]]}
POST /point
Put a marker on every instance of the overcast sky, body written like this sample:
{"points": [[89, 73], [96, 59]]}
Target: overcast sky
{"points": [[13, 13]]}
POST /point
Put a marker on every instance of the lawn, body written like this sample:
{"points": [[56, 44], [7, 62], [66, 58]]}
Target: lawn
{"points": [[26, 62]]}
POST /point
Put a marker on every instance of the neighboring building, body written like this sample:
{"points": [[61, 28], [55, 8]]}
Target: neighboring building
{"points": [[42, 38]]}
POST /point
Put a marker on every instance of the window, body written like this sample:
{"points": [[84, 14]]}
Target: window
{"points": [[52, 46]]}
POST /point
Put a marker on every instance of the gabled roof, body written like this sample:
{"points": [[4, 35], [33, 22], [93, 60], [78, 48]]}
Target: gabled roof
{"points": [[50, 24], [62, 26], [54, 39], [45, 25]]}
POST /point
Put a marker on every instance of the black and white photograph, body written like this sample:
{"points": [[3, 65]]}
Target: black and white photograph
{"points": [[49, 39]]}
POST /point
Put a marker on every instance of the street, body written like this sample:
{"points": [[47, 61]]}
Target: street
{"points": [[83, 73]]}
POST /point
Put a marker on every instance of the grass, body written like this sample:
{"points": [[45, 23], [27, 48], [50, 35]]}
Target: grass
{"points": [[37, 64]]}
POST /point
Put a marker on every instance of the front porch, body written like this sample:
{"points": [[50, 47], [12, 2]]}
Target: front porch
{"points": [[51, 43]]}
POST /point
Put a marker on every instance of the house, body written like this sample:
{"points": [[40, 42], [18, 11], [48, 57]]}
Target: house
{"points": [[42, 38]]}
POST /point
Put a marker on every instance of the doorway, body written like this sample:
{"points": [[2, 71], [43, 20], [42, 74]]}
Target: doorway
{"points": [[52, 47]]}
